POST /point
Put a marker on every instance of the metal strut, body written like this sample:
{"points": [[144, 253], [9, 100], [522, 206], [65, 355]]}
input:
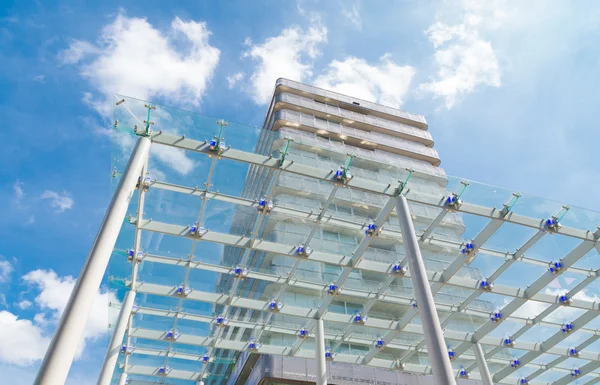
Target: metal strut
{"points": [[434, 339], [59, 356]]}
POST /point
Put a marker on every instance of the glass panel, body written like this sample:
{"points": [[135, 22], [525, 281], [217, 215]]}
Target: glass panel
{"points": [[274, 251]]}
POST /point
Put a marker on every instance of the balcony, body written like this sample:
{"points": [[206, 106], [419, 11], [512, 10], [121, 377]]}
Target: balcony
{"points": [[355, 137], [328, 96], [310, 142], [351, 118]]}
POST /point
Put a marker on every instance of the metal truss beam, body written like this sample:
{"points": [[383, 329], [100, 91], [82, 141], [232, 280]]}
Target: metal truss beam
{"points": [[480, 239], [553, 364], [114, 347], [290, 274], [137, 242], [207, 186], [585, 369], [153, 371], [530, 293], [244, 262], [546, 345], [355, 183], [395, 299], [342, 261], [251, 304], [290, 332], [156, 335], [538, 320], [481, 335], [389, 233], [485, 234], [356, 258], [367, 307]]}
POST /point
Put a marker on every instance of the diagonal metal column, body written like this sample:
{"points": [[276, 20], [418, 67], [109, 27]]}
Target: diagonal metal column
{"points": [[135, 261], [59, 356], [320, 353], [434, 340], [484, 371], [112, 353], [123, 379]]}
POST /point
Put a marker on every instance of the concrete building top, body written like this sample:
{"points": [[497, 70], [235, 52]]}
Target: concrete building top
{"points": [[351, 103]]}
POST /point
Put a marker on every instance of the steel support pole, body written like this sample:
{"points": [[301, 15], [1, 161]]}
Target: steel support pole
{"points": [[112, 353], [122, 379], [486, 377], [59, 356], [320, 353], [434, 340]]}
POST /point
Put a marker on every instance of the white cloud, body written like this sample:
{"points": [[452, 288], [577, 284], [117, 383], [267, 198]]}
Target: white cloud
{"points": [[464, 60], [18, 190], [54, 292], [174, 158], [60, 202], [385, 82], [531, 309], [21, 341], [77, 51], [30, 220], [39, 78], [289, 55], [5, 270], [134, 58], [353, 16], [232, 80], [24, 304]]}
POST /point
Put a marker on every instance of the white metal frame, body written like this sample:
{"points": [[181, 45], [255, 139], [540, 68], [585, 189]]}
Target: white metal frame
{"points": [[54, 372], [59, 356]]}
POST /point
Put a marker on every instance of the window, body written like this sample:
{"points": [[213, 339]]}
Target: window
{"points": [[340, 238], [341, 209], [330, 236], [349, 239]]}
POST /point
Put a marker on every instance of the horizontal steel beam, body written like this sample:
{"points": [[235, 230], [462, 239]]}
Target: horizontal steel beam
{"points": [[251, 304], [549, 344], [533, 291], [356, 183], [390, 231], [366, 265], [395, 299], [482, 237], [198, 357], [241, 346]]}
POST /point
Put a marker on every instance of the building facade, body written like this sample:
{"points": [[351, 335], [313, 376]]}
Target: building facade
{"points": [[328, 130]]}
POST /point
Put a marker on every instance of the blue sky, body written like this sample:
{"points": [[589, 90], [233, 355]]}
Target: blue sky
{"points": [[509, 89]]}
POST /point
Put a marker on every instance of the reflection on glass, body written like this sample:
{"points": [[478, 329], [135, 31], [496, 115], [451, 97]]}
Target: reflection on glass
{"points": [[511, 240]]}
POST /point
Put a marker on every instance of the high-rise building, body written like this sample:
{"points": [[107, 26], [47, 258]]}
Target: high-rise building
{"points": [[351, 137]]}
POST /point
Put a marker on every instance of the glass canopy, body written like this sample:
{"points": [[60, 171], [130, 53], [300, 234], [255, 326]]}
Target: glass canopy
{"points": [[222, 272]]}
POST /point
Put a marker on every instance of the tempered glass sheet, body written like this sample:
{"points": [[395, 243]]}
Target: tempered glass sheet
{"points": [[509, 237], [172, 200], [521, 274], [552, 247], [590, 261]]}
